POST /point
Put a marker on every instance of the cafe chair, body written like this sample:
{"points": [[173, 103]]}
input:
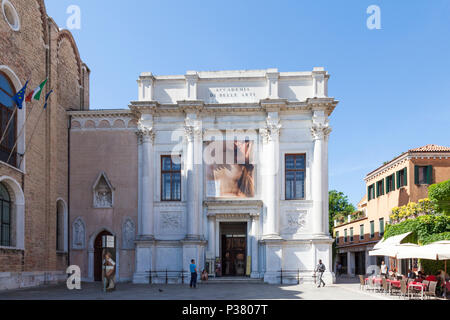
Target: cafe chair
{"points": [[431, 292]]}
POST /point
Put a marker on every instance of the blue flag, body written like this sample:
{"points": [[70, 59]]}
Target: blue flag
{"points": [[46, 98], [20, 96]]}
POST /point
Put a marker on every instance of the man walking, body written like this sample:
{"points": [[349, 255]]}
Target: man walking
{"points": [[193, 269], [320, 269]]}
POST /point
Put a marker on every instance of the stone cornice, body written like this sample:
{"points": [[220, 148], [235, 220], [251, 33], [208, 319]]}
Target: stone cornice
{"points": [[228, 209], [139, 108], [191, 106], [101, 113], [273, 105]]}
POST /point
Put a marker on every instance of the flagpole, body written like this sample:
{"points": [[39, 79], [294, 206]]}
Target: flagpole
{"points": [[34, 129], [29, 140], [20, 133], [7, 126]]}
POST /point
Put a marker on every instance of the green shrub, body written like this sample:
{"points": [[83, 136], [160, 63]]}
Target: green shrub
{"points": [[435, 237], [422, 227], [439, 193], [431, 266]]}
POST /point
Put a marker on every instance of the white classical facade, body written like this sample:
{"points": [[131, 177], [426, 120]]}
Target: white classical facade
{"points": [[279, 114]]}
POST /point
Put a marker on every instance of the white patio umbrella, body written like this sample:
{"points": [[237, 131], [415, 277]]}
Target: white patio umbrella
{"points": [[439, 250], [391, 241], [394, 250]]}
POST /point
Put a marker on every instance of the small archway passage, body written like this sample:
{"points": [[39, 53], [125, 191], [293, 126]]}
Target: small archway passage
{"points": [[98, 255]]}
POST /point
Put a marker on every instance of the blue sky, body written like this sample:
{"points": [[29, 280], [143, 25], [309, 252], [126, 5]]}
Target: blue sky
{"points": [[392, 84]]}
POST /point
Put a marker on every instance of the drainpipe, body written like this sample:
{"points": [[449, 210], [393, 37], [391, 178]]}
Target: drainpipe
{"points": [[69, 127]]}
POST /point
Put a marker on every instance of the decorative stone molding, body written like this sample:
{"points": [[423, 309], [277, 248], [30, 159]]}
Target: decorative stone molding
{"points": [[170, 222], [295, 221], [230, 209]]}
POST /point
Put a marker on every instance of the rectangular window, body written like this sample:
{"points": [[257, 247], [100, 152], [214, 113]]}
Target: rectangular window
{"points": [[381, 226], [372, 229], [170, 178], [380, 188], [295, 176], [351, 234], [371, 192], [345, 235], [390, 186], [361, 232], [423, 174], [337, 236], [401, 178]]}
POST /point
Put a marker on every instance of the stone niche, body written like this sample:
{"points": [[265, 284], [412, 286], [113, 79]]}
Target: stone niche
{"points": [[103, 192]]}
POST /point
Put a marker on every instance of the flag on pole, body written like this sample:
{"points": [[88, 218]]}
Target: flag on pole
{"points": [[46, 98], [20, 96], [36, 93]]}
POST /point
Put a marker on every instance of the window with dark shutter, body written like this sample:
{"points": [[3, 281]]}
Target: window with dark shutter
{"points": [[423, 174]]}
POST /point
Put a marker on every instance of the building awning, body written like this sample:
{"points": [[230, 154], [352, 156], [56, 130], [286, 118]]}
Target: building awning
{"points": [[391, 241]]}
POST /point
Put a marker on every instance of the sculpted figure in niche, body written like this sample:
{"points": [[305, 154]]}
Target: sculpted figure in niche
{"points": [[103, 195]]}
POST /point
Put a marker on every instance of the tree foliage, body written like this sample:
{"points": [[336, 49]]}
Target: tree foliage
{"points": [[439, 193], [338, 205]]}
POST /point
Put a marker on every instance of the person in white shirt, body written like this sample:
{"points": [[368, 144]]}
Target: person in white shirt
{"points": [[110, 268], [384, 270]]}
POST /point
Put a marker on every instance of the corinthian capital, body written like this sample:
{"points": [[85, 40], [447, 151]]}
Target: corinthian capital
{"points": [[193, 129], [320, 130], [271, 131], [145, 133]]}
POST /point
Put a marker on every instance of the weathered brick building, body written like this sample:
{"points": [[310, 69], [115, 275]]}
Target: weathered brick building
{"points": [[35, 201]]}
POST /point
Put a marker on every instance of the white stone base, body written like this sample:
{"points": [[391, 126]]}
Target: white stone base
{"points": [[17, 280]]}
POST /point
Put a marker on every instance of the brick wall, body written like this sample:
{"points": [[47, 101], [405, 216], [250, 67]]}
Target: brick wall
{"points": [[39, 50]]}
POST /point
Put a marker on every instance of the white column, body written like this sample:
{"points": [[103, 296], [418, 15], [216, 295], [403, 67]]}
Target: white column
{"points": [[211, 237], [319, 130], [254, 236], [147, 137], [325, 200], [192, 130], [270, 162], [317, 188]]}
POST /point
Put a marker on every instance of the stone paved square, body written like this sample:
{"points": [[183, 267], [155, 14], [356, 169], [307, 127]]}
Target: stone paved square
{"points": [[208, 291]]}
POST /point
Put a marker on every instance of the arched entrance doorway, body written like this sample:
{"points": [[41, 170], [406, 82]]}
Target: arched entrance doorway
{"points": [[98, 255]]}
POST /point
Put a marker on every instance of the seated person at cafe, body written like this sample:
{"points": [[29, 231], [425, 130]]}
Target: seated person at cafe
{"points": [[431, 278], [421, 275], [411, 274]]}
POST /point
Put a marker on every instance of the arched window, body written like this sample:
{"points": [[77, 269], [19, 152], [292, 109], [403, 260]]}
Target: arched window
{"points": [[7, 106], [5, 217], [60, 226]]}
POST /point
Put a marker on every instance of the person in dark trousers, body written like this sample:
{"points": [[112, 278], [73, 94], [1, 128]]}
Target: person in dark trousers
{"points": [[193, 269], [320, 269]]}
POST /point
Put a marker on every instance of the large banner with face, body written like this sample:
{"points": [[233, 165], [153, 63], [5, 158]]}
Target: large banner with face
{"points": [[230, 169]]}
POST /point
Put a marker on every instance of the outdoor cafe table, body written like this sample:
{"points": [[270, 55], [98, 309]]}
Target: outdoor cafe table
{"points": [[418, 285], [393, 283], [375, 280]]}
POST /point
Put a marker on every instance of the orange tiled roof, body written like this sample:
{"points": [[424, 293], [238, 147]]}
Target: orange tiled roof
{"points": [[431, 148]]}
